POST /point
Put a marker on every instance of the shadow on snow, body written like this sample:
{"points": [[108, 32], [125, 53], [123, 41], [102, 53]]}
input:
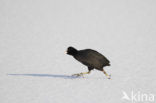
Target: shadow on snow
{"points": [[47, 75]]}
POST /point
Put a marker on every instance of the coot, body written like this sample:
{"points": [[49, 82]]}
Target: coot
{"points": [[91, 58]]}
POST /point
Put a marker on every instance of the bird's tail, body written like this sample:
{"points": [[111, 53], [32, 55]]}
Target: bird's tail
{"points": [[108, 65]]}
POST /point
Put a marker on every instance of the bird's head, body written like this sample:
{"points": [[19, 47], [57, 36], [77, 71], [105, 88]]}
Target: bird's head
{"points": [[71, 51]]}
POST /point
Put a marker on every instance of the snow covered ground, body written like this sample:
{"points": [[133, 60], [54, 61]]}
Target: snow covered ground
{"points": [[34, 34]]}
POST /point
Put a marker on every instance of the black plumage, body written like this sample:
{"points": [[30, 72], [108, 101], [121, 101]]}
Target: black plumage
{"points": [[91, 58]]}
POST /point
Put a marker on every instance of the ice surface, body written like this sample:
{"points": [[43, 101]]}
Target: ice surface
{"points": [[35, 34]]}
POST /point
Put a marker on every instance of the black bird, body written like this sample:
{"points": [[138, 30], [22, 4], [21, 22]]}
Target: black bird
{"points": [[91, 58]]}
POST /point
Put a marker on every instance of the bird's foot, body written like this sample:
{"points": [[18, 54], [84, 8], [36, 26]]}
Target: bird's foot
{"points": [[77, 75], [109, 76]]}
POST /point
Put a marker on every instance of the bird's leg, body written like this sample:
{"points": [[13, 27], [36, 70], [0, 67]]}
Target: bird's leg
{"points": [[81, 74], [108, 76]]}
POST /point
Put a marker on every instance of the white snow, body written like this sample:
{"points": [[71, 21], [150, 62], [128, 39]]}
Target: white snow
{"points": [[34, 34]]}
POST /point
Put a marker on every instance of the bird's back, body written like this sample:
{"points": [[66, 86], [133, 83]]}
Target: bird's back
{"points": [[92, 58]]}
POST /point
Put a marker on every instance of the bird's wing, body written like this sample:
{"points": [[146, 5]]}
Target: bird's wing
{"points": [[88, 58], [98, 56]]}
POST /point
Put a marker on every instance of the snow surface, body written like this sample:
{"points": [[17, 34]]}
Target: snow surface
{"points": [[34, 34]]}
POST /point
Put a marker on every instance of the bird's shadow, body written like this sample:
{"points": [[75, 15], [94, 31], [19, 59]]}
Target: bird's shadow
{"points": [[47, 75]]}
